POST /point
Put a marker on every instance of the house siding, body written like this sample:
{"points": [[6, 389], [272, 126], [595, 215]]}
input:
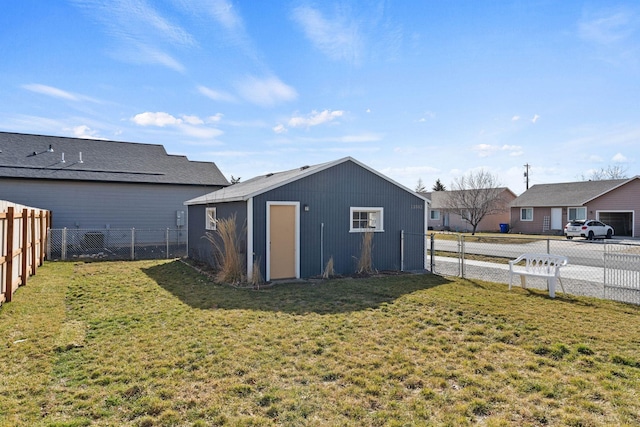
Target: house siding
{"points": [[200, 248], [625, 198], [88, 205], [490, 223], [329, 195]]}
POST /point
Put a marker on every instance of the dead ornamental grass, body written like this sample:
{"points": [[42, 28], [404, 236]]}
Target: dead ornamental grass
{"points": [[226, 246], [156, 343]]}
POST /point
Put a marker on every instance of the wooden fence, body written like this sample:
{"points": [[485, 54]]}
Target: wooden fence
{"points": [[23, 234]]}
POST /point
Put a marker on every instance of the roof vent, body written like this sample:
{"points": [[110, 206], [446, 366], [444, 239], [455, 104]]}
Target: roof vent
{"points": [[304, 167], [80, 161], [62, 161], [268, 175], [50, 148]]}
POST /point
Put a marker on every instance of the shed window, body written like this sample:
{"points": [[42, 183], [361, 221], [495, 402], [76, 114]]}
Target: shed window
{"points": [[434, 215], [366, 219], [526, 214], [210, 219], [577, 213]]}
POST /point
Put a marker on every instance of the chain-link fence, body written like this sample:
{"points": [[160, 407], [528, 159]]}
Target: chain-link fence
{"points": [[600, 268], [116, 244]]}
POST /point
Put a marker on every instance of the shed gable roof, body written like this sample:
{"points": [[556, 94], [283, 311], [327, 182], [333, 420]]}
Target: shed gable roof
{"points": [[567, 193], [243, 191], [30, 156]]}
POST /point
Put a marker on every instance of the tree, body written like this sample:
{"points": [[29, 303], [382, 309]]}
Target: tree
{"points": [[438, 186], [420, 188], [610, 172], [475, 196]]}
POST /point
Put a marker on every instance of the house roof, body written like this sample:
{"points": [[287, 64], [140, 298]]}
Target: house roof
{"points": [[243, 191], [567, 193], [41, 157], [439, 199]]}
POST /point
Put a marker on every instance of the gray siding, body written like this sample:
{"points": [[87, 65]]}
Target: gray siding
{"points": [[329, 195], [77, 204], [199, 247]]}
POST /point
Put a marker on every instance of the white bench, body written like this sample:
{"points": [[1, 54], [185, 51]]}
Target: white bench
{"points": [[538, 265]]}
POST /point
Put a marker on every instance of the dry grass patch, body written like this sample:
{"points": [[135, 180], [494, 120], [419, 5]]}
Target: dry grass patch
{"points": [[163, 346]]}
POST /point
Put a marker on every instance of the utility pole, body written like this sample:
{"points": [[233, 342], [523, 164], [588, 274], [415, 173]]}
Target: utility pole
{"points": [[526, 174]]}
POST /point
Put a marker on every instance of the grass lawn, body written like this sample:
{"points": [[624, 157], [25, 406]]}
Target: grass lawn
{"points": [[154, 343]]}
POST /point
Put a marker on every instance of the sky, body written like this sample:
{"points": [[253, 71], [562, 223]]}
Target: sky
{"points": [[416, 89]]}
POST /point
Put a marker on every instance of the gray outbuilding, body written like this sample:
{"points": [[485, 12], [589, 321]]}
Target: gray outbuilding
{"points": [[295, 221]]}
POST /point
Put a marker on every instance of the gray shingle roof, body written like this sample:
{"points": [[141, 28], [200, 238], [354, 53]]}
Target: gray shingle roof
{"points": [[565, 194], [28, 156], [245, 190], [440, 199]]}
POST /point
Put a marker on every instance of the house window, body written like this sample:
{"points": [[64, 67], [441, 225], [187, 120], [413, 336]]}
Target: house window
{"points": [[366, 219], [526, 214], [434, 215], [210, 219], [577, 213]]}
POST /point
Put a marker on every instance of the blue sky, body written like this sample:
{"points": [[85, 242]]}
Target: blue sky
{"points": [[415, 89]]}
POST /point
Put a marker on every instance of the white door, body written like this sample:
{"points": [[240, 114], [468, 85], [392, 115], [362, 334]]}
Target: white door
{"points": [[556, 218]]}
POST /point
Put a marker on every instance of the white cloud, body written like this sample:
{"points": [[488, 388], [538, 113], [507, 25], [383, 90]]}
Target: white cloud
{"points": [[84, 131], [51, 91], [485, 150], [315, 118], [619, 158], [160, 119], [215, 94], [535, 118], [142, 33], [192, 120], [279, 128], [609, 26], [188, 125], [338, 38], [266, 92], [515, 118], [215, 118], [201, 132]]}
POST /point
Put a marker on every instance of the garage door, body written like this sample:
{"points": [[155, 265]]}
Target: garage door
{"points": [[622, 222]]}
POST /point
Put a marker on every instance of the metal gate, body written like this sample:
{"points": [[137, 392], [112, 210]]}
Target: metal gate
{"points": [[622, 272]]}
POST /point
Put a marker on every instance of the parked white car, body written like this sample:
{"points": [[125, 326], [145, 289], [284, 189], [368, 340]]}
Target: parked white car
{"points": [[589, 229]]}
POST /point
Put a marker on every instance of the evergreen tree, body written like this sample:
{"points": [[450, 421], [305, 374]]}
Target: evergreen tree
{"points": [[439, 186]]}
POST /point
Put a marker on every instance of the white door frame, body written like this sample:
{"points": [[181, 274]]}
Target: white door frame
{"points": [[297, 236]]}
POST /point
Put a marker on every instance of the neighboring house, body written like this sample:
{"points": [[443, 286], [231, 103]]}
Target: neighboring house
{"points": [[546, 208], [442, 217], [89, 184], [295, 221]]}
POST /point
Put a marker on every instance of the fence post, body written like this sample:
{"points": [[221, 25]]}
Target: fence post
{"points": [[63, 251], [24, 273], [462, 255], [34, 263], [133, 243], [401, 250], [432, 248], [548, 246], [167, 242], [8, 288]]}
